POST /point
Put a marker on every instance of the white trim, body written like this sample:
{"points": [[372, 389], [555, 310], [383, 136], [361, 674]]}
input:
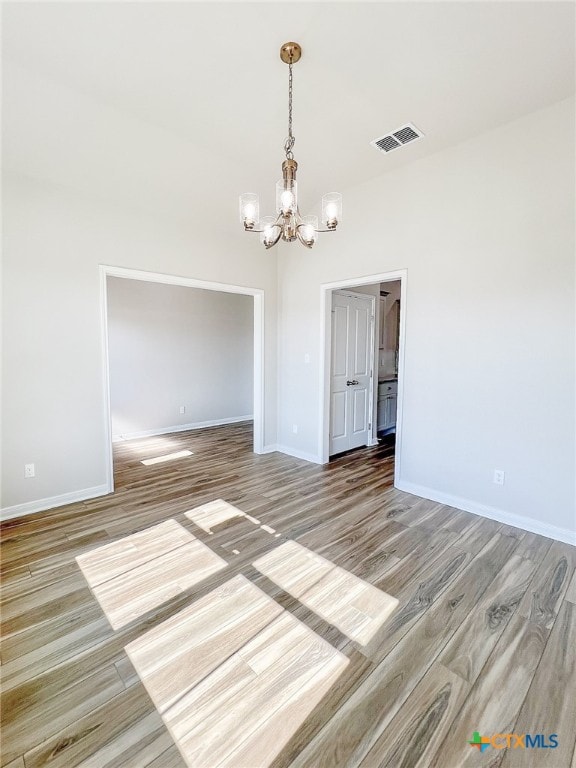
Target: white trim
{"points": [[40, 505], [106, 382], [293, 452], [179, 428], [258, 385], [325, 351], [492, 513], [189, 282], [299, 454], [272, 448], [401, 362]]}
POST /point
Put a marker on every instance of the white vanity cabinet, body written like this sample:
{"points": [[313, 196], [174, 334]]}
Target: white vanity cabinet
{"points": [[387, 399]]}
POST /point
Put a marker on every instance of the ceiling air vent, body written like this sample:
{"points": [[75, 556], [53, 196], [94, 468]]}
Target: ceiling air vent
{"points": [[398, 138]]}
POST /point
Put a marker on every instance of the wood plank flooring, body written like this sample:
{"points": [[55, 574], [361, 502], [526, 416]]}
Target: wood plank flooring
{"points": [[160, 627], [142, 571], [234, 675], [353, 605]]}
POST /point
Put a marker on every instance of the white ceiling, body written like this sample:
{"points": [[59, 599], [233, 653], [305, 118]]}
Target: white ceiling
{"points": [[177, 98]]}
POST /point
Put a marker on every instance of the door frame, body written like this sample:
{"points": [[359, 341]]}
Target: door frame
{"points": [[370, 414], [326, 354], [189, 282]]}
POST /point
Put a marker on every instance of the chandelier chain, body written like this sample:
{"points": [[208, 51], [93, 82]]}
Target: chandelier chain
{"points": [[289, 145]]}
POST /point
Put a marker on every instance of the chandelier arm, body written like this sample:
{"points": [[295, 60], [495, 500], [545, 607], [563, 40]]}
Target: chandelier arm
{"points": [[277, 223], [301, 223], [299, 236], [260, 231]]}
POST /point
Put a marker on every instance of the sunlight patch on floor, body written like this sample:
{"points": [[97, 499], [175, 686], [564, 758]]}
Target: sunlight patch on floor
{"points": [[215, 513], [208, 516], [167, 457], [138, 573], [355, 607], [234, 675]]}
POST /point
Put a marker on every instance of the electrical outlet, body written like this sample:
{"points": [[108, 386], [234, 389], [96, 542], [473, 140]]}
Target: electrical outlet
{"points": [[295, 428], [498, 477], [29, 470], [182, 409]]}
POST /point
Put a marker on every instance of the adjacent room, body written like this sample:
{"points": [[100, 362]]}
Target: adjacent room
{"points": [[288, 385], [179, 359]]}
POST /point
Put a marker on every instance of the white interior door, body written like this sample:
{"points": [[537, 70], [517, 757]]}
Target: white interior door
{"points": [[351, 371]]}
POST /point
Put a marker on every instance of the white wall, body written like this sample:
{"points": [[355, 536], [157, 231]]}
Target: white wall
{"points": [[171, 346], [53, 372], [488, 226]]}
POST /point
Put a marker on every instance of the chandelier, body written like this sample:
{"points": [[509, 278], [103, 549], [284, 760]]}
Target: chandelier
{"points": [[288, 224]]}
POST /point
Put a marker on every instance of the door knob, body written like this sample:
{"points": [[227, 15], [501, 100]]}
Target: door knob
{"points": [[351, 383]]}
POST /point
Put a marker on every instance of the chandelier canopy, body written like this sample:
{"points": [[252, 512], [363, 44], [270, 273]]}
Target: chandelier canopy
{"points": [[288, 224]]}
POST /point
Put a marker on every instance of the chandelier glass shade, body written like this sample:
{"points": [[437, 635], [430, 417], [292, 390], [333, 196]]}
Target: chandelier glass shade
{"points": [[288, 223]]}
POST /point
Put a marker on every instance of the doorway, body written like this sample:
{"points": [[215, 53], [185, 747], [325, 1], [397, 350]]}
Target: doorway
{"points": [[387, 348], [367, 284], [170, 280]]}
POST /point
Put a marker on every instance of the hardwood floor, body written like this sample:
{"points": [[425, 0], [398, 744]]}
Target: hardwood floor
{"points": [[324, 619]]}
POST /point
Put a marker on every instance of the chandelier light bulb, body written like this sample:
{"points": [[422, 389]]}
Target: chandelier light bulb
{"points": [[249, 210], [331, 211], [269, 232], [308, 230], [287, 201], [288, 223], [287, 194]]}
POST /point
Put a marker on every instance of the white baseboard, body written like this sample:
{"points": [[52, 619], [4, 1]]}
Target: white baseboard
{"points": [[493, 513], [40, 505], [179, 428], [298, 454], [272, 448]]}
